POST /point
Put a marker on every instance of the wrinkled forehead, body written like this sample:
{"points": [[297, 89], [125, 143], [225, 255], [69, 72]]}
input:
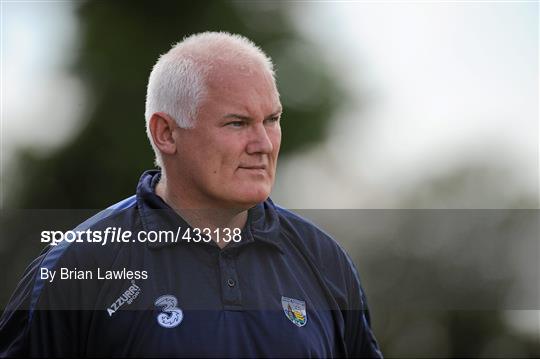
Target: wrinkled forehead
{"points": [[248, 81], [222, 73]]}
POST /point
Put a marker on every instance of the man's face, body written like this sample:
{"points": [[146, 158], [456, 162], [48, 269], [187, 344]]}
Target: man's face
{"points": [[228, 160]]}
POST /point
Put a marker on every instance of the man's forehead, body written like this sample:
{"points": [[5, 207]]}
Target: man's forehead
{"points": [[226, 74], [238, 84]]}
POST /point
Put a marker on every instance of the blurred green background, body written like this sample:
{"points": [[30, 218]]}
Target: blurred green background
{"points": [[438, 283]]}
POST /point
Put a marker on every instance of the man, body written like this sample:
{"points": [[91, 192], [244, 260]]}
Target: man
{"points": [[239, 277]]}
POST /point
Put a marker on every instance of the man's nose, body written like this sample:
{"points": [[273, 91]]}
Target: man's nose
{"points": [[259, 141]]}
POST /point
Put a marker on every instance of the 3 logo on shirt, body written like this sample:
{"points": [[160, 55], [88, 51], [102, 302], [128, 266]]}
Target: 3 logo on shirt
{"points": [[295, 310], [170, 315]]}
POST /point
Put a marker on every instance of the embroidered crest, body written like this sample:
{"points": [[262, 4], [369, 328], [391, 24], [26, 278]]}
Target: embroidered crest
{"points": [[295, 310], [170, 315]]}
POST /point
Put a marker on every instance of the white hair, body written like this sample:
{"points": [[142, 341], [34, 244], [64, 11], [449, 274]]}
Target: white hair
{"points": [[177, 84]]}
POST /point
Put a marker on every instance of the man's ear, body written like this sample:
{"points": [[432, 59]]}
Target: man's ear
{"points": [[161, 128]]}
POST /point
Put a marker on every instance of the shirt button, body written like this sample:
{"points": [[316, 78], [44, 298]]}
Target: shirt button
{"points": [[230, 282]]}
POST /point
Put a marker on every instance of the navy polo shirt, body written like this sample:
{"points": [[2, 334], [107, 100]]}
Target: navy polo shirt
{"points": [[285, 289]]}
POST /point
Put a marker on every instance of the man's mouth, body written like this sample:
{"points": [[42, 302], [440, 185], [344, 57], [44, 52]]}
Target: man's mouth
{"points": [[259, 170], [257, 167]]}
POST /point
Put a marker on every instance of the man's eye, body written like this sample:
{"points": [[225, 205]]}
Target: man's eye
{"points": [[236, 124], [273, 119]]}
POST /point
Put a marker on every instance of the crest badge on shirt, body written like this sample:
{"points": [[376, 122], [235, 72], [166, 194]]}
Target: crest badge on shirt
{"points": [[295, 310]]}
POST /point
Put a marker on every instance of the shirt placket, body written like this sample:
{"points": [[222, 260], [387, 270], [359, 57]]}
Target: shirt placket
{"points": [[230, 286]]}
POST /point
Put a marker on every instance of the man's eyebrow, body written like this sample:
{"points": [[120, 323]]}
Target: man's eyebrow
{"points": [[247, 118], [240, 117]]}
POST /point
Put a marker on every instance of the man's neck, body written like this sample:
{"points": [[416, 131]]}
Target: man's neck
{"points": [[215, 219]]}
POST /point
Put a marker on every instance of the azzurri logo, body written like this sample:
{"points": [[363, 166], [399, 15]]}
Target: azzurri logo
{"points": [[126, 298]]}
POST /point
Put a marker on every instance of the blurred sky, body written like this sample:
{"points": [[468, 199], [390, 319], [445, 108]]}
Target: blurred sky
{"points": [[434, 84], [42, 103], [445, 82]]}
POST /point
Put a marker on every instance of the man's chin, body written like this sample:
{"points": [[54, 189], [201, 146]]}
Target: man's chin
{"points": [[252, 203], [248, 201]]}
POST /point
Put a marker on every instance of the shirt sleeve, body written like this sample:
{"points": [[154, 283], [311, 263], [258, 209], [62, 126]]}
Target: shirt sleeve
{"points": [[14, 320], [39, 320], [359, 338]]}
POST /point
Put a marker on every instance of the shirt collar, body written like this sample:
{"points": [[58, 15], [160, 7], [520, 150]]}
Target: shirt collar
{"points": [[262, 223]]}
